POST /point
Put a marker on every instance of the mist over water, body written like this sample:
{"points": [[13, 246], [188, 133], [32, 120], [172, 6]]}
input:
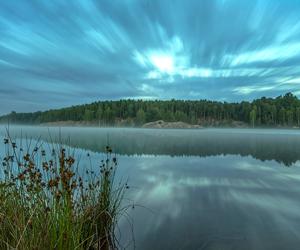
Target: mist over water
{"points": [[282, 146], [199, 63], [199, 189]]}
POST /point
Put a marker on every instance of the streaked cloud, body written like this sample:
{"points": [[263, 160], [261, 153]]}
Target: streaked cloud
{"points": [[272, 53], [245, 90], [61, 53]]}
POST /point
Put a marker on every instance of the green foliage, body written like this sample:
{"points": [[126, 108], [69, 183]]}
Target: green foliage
{"points": [[46, 204], [253, 116], [280, 111], [88, 115], [140, 117]]}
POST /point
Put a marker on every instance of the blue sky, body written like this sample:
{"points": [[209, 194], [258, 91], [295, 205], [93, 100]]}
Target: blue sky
{"points": [[61, 53]]}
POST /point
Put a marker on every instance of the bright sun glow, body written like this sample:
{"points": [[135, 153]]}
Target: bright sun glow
{"points": [[164, 63]]}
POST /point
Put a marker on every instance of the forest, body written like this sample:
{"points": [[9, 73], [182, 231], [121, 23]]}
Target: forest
{"points": [[283, 111]]}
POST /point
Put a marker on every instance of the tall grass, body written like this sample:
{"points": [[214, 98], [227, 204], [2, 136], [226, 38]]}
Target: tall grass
{"points": [[46, 204]]}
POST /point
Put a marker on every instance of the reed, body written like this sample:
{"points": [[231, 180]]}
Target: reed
{"points": [[46, 204]]}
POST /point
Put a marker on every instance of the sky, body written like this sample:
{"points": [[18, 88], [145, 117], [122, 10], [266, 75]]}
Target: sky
{"points": [[60, 53]]}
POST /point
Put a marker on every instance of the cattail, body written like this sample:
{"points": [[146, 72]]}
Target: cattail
{"points": [[45, 166], [21, 177], [27, 157]]}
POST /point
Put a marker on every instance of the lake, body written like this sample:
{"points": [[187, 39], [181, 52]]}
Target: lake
{"points": [[198, 189]]}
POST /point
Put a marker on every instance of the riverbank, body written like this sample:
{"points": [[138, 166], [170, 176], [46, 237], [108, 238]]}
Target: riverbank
{"points": [[160, 124], [155, 124]]}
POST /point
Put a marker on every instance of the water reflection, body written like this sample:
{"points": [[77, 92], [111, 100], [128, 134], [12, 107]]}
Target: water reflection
{"points": [[280, 145], [224, 202], [236, 197]]}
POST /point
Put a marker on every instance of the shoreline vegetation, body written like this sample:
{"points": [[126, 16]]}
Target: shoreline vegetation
{"points": [[160, 124], [46, 204], [280, 112]]}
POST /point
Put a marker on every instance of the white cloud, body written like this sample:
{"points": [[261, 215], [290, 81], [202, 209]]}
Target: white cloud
{"points": [[175, 60], [176, 45], [196, 72], [172, 61], [272, 53], [276, 85], [163, 62], [245, 90], [139, 58], [295, 80], [167, 61], [154, 74]]}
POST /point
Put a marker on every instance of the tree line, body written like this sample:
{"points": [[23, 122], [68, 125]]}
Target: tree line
{"points": [[280, 111]]}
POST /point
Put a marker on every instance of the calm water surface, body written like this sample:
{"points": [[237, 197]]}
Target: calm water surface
{"points": [[200, 189]]}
